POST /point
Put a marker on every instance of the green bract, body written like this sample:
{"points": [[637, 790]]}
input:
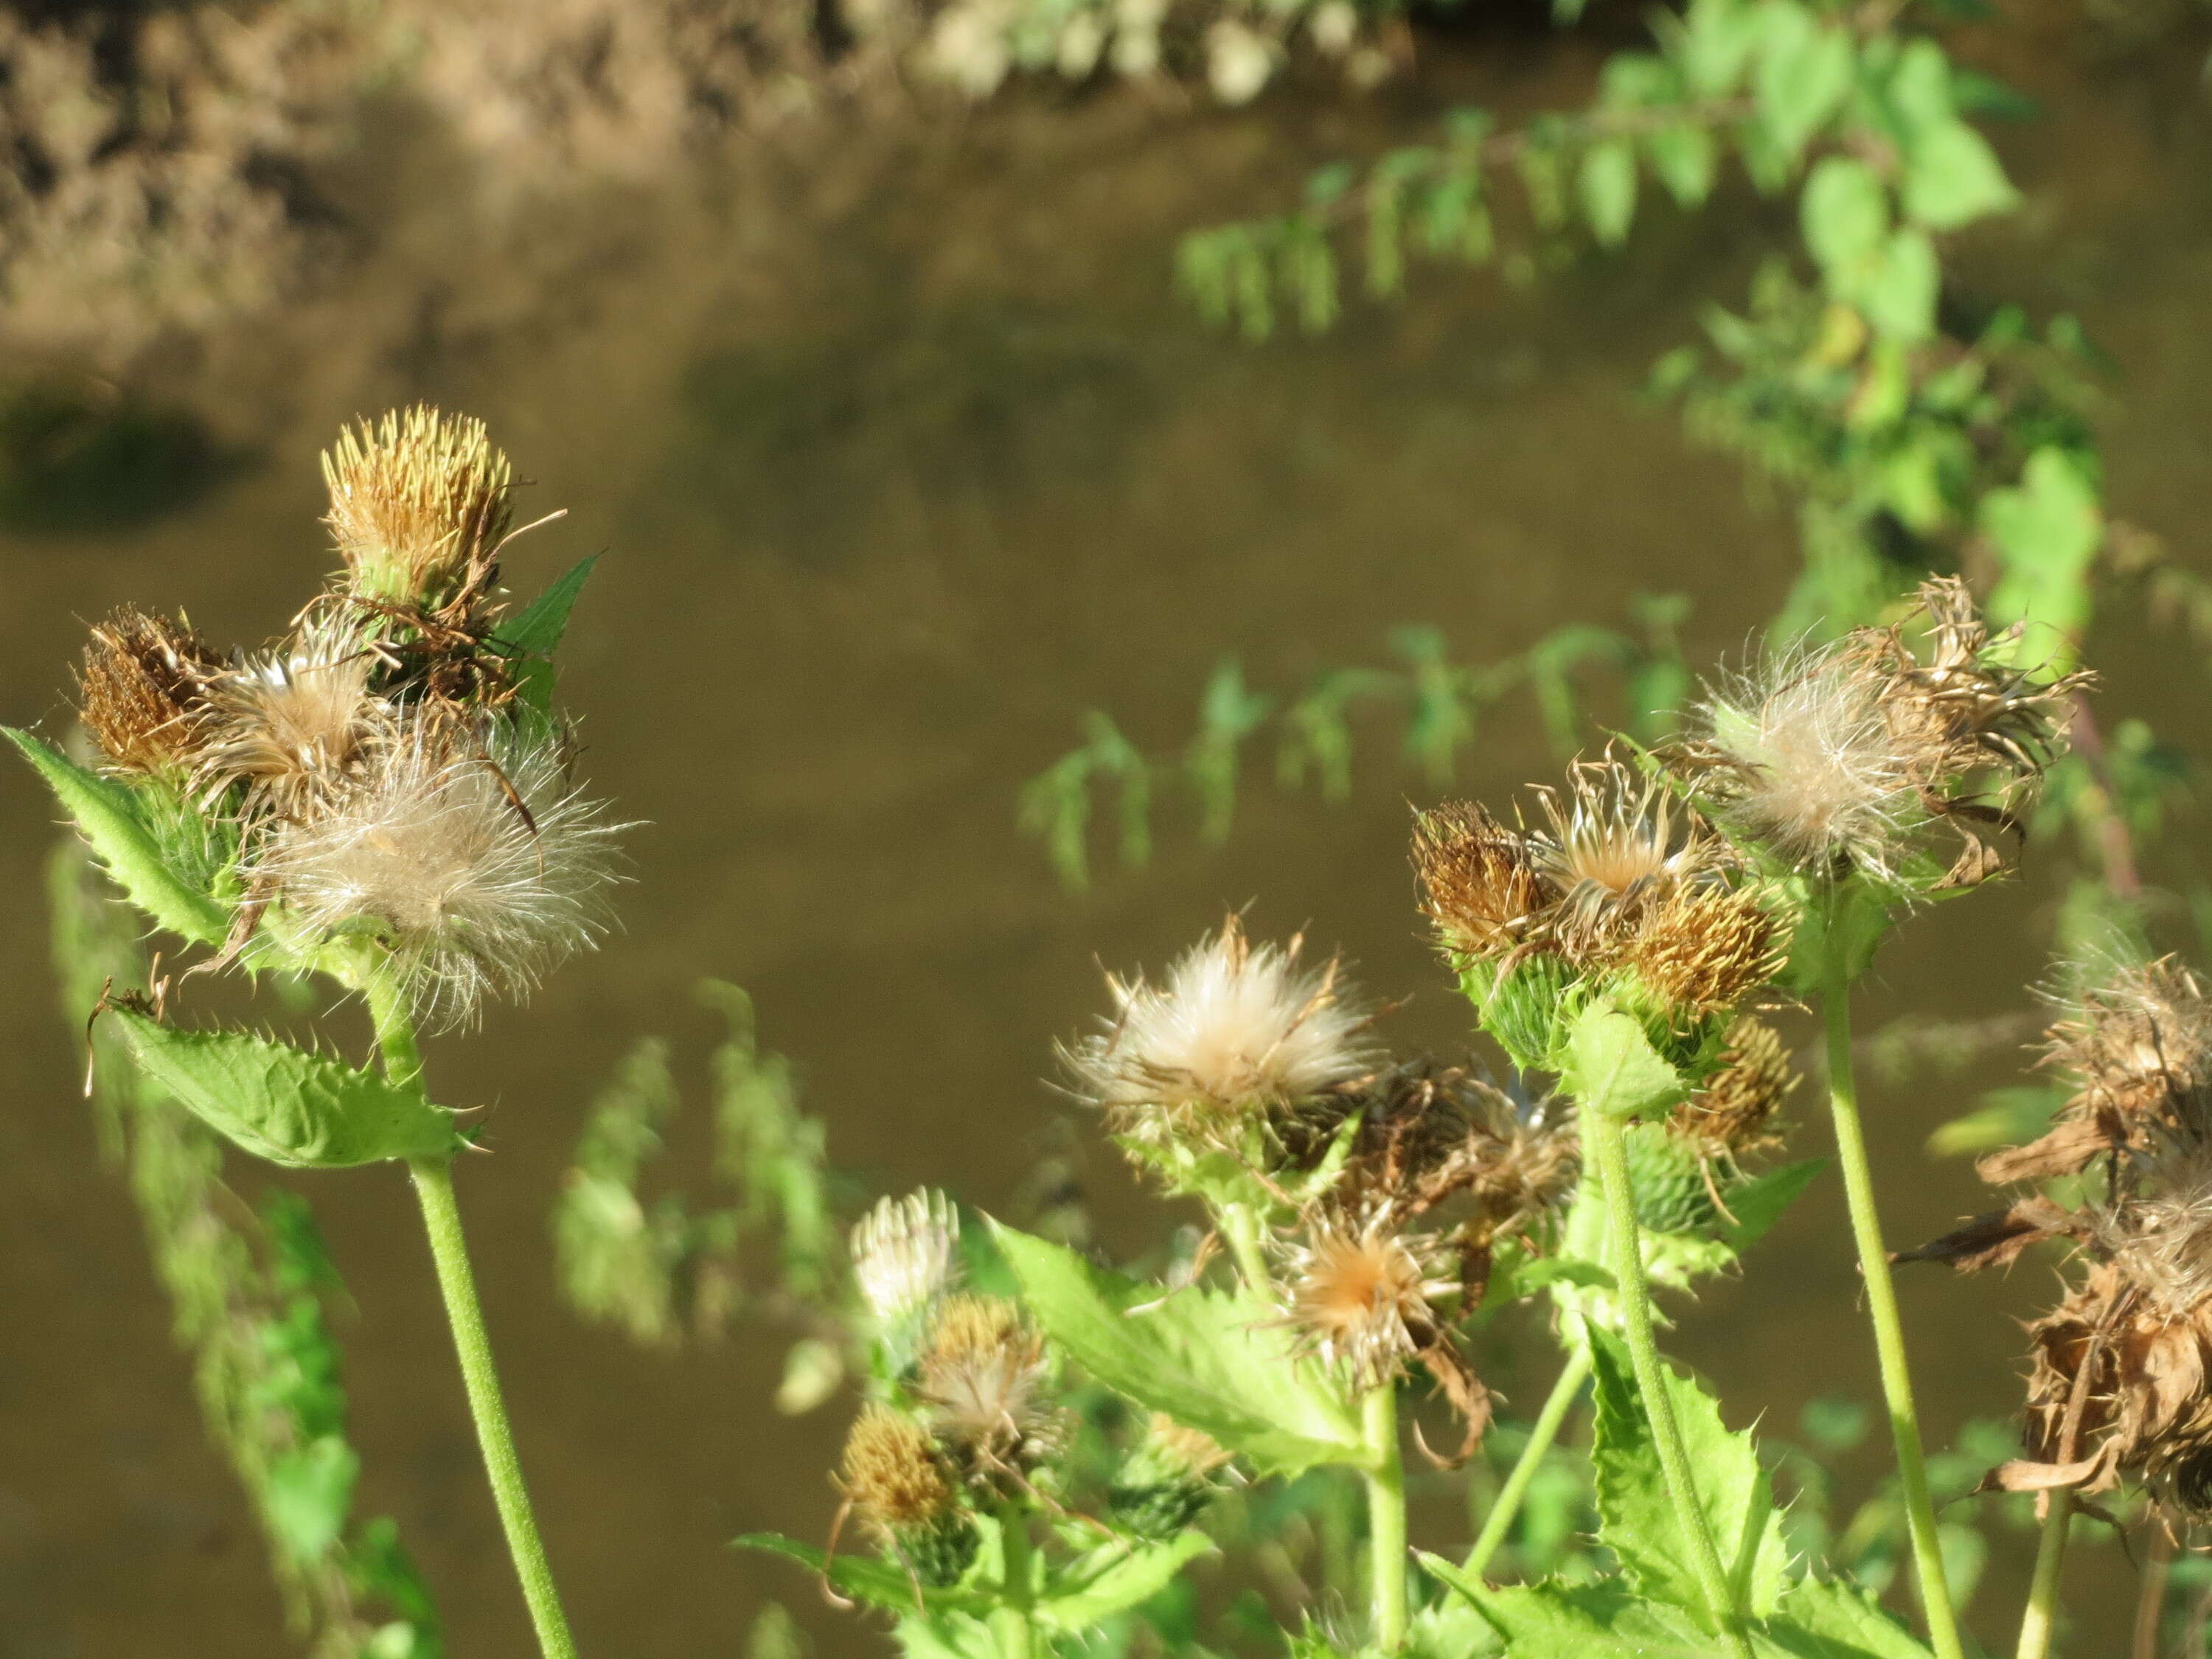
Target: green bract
{"points": [[1610, 1067], [305, 1111]]}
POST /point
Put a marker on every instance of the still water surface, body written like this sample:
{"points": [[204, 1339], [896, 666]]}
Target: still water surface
{"points": [[901, 462]]}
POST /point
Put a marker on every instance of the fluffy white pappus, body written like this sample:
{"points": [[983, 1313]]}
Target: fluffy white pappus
{"points": [[1803, 760], [906, 1253], [1231, 1025], [476, 863], [294, 727]]}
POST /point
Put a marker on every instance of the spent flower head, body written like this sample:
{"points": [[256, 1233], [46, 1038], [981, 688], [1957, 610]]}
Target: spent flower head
{"points": [[142, 691], [1481, 887], [471, 856], [1360, 1291], [1233, 1032], [1736, 1111], [982, 1384], [906, 1255], [1617, 846]]}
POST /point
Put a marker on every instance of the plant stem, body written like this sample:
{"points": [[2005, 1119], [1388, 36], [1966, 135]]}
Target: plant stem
{"points": [[442, 1219], [1241, 1227], [1602, 1143], [1499, 1521], [1386, 1517], [1010, 1621], [1888, 1329], [2041, 1619]]}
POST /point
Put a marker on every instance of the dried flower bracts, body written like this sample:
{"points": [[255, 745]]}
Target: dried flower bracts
{"points": [[142, 690], [980, 1380]]}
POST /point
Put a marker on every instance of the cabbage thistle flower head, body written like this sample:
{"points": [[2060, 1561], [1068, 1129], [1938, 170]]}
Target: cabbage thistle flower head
{"points": [[420, 505], [906, 1255], [468, 854]]}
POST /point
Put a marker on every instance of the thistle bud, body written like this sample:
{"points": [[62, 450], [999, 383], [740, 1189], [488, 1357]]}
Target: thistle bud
{"points": [[892, 1474], [419, 506], [142, 691], [1168, 1480]]}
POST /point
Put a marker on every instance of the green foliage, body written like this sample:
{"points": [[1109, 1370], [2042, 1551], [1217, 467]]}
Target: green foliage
{"points": [[305, 1111], [1437, 703], [1610, 1067], [1208, 1359], [533, 634], [665, 1268], [248, 1304]]}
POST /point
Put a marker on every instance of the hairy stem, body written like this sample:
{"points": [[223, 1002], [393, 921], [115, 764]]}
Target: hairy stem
{"points": [[1386, 1517], [1240, 1227], [2040, 1621], [1499, 1521], [1888, 1328], [1603, 1146], [441, 1220], [1010, 1620]]}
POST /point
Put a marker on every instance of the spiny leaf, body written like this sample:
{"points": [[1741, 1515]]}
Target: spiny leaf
{"points": [[106, 814], [1611, 1066], [1636, 1518], [1127, 1578], [302, 1110], [864, 1578], [1211, 1361]]}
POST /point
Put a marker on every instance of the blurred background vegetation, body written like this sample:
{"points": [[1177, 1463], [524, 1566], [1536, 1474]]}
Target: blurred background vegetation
{"points": [[1294, 407]]}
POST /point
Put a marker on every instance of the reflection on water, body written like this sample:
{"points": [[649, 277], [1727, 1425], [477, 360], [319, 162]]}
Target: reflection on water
{"points": [[900, 469]]}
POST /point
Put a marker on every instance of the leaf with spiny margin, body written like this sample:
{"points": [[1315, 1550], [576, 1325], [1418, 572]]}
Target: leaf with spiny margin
{"points": [[1610, 1067], [867, 1579], [1833, 1619], [106, 814], [1125, 1578], [945, 1636], [1212, 1362], [534, 635], [1636, 1518], [302, 1110]]}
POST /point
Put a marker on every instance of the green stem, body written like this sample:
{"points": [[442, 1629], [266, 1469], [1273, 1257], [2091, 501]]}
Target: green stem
{"points": [[2041, 1619], [1010, 1622], [442, 1219], [1499, 1521], [1603, 1146], [1241, 1227], [1386, 1515], [1888, 1328]]}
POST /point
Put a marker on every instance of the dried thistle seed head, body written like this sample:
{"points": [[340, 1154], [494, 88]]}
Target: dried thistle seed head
{"points": [[419, 505], [1702, 950], [1616, 845], [1963, 710], [1798, 756], [1734, 1113], [891, 1472], [981, 1381], [293, 729], [1234, 1030], [2138, 1048], [1430, 1132], [906, 1255], [470, 856], [1480, 885], [1359, 1297], [2162, 1241], [142, 690]]}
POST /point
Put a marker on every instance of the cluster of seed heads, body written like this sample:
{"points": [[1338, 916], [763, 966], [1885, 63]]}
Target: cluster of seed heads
{"points": [[380, 777]]}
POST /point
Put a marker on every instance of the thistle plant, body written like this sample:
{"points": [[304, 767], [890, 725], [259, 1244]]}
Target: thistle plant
{"points": [[384, 799]]}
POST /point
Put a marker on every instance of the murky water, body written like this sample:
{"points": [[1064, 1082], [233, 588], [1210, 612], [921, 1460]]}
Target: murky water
{"points": [[901, 462]]}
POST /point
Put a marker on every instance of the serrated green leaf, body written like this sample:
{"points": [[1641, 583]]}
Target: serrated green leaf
{"points": [[1951, 178], [1822, 1619], [945, 1636], [1610, 1066], [1802, 75], [304, 1111], [1211, 1361], [106, 815], [1636, 1518], [1844, 213], [864, 1578], [1607, 185], [1125, 1578], [1758, 1203], [1603, 1620]]}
